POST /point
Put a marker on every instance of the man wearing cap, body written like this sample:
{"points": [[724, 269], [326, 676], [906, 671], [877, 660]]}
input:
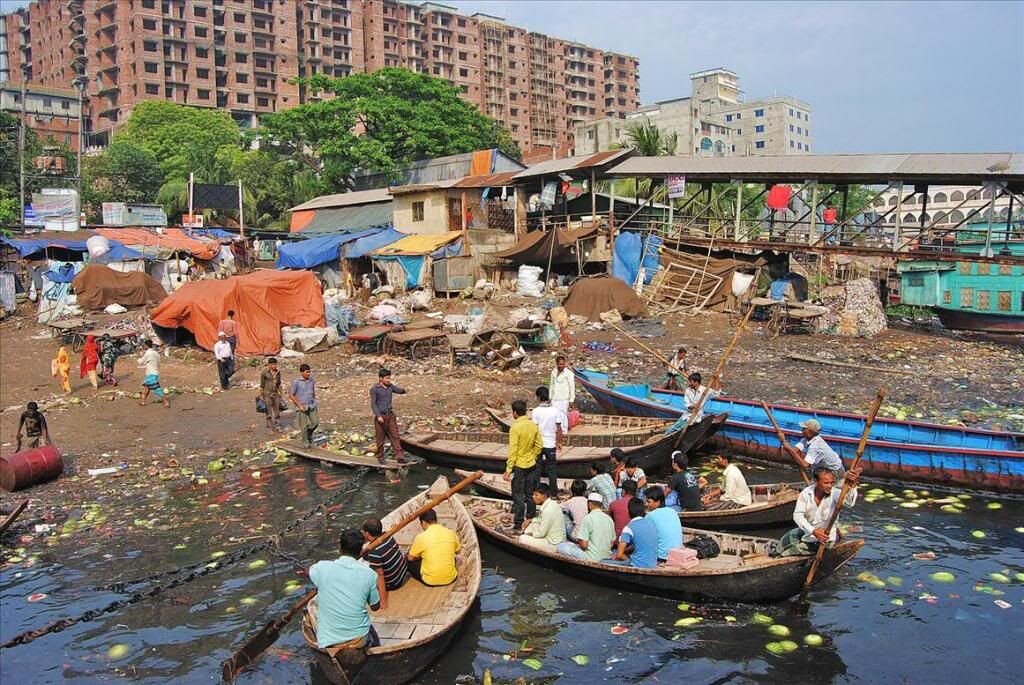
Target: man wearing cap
{"points": [[225, 360], [813, 451], [596, 533]]}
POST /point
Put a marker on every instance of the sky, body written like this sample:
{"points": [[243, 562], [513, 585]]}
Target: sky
{"points": [[879, 76]]}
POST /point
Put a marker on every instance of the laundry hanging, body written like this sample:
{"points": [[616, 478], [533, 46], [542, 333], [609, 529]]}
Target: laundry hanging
{"points": [[779, 196]]}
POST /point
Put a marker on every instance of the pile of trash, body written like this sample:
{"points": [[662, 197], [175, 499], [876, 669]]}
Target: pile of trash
{"points": [[855, 309]]}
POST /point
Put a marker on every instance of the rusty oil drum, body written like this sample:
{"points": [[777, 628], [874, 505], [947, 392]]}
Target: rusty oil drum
{"points": [[30, 467]]}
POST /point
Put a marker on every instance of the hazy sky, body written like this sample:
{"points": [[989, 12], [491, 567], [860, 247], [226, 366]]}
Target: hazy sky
{"points": [[879, 76]]}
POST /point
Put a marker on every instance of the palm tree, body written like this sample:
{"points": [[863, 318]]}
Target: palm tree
{"points": [[650, 141]]}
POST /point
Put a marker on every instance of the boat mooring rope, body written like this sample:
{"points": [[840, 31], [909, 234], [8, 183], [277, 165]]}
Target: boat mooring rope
{"points": [[187, 574]]}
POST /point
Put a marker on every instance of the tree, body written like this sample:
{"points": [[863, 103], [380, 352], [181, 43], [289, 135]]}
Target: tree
{"points": [[650, 141], [380, 121], [124, 172], [183, 139]]}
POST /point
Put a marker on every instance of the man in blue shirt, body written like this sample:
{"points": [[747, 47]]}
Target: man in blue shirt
{"points": [[345, 587], [666, 521], [638, 542]]}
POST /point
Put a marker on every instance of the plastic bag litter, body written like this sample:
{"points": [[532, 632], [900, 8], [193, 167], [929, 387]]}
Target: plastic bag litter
{"points": [[115, 308], [528, 283]]}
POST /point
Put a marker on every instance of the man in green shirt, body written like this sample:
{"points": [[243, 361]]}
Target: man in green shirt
{"points": [[596, 533], [524, 445], [548, 529]]}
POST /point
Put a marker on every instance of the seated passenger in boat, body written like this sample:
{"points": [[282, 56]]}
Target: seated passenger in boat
{"points": [[682, 491], [634, 473], [619, 510], [345, 587], [618, 466], [666, 521], [812, 451], [601, 483], [575, 508], [734, 492], [386, 559], [813, 509], [432, 555], [595, 535], [548, 529], [638, 542]]}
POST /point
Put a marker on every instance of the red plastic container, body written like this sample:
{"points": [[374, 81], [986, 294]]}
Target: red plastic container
{"points": [[30, 467]]}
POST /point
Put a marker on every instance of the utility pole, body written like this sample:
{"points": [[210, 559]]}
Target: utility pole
{"points": [[79, 83], [21, 143]]}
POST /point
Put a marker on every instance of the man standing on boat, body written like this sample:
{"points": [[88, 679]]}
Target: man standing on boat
{"points": [[677, 369], [813, 451], [524, 445], [385, 423], [553, 424], [345, 587], [813, 509], [562, 388], [694, 391]]}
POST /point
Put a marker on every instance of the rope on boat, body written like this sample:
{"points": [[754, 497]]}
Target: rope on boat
{"points": [[191, 572]]}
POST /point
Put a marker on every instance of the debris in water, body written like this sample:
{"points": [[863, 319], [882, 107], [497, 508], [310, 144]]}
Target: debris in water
{"points": [[999, 577], [943, 577], [116, 652], [813, 640], [979, 534], [924, 556], [995, 505], [581, 659], [778, 630], [762, 619], [37, 597], [782, 647], [1001, 604], [619, 630], [688, 621], [535, 664]]}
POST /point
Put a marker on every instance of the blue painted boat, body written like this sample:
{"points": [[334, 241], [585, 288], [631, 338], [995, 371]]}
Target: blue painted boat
{"points": [[905, 450]]}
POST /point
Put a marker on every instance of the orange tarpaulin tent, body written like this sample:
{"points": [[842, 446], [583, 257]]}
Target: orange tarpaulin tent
{"points": [[263, 302], [170, 239]]}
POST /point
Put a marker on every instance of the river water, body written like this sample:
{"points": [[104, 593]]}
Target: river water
{"points": [[885, 618]]}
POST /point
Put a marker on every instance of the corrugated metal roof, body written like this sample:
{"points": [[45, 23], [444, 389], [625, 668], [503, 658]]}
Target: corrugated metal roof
{"points": [[418, 244], [348, 219], [566, 165], [436, 169], [422, 187], [358, 197], [487, 180], [936, 168]]}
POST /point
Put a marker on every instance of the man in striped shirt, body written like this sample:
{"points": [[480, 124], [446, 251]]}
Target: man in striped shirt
{"points": [[386, 559]]}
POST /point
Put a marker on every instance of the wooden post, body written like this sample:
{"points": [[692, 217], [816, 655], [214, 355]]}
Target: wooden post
{"points": [[593, 198], [241, 214], [814, 212], [899, 208], [462, 211], [739, 209], [611, 223]]}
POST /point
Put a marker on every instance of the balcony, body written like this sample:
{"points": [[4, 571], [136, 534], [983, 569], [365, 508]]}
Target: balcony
{"points": [[108, 90]]}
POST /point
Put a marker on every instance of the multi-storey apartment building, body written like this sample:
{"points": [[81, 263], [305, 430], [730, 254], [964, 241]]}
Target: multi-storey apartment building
{"points": [[713, 121], [240, 55], [51, 113]]}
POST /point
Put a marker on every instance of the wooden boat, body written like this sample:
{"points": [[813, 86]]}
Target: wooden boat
{"points": [[606, 424], [488, 451], [987, 322], [743, 572], [327, 456], [420, 621], [902, 450], [772, 504]]}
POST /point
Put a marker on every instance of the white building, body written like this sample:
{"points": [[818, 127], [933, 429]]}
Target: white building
{"points": [[945, 206]]}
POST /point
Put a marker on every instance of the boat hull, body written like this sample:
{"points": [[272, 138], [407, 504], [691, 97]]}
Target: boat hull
{"points": [[960, 319], [886, 456]]}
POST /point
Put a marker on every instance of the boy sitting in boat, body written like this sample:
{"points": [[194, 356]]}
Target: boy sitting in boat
{"points": [[386, 560], [575, 508], [345, 586], [548, 529], [813, 510]]}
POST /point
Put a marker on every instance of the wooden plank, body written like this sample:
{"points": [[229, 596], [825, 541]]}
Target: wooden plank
{"points": [[13, 515], [321, 454], [385, 628], [403, 631]]}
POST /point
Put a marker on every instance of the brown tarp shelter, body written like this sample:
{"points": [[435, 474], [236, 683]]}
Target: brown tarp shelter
{"points": [[263, 302], [97, 286], [536, 248], [721, 263], [590, 296]]}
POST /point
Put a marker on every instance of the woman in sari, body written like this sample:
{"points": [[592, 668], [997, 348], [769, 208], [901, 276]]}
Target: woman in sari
{"points": [[62, 368], [108, 357], [90, 361]]}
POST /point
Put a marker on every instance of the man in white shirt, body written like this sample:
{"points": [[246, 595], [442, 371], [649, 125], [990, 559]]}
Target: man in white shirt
{"points": [[813, 451], [734, 494], [150, 361], [553, 425], [694, 391], [562, 388], [225, 360], [813, 509]]}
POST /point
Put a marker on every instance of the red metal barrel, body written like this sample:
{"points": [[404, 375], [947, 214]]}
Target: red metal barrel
{"points": [[29, 467]]}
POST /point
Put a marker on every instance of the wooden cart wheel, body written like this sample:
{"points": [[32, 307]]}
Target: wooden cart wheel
{"points": [[503, 338], [775, 322], [388, 347], [78, 343]]}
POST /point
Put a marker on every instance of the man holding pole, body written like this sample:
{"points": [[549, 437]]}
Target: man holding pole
{"points": [[813, 451], [813, 509]]}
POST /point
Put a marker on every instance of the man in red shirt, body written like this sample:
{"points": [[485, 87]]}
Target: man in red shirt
{"points": [[829, 217], [619, 509]]}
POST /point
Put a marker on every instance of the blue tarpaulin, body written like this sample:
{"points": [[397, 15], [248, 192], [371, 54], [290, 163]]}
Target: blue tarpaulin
{"points": [[216, 233], [626, 258], [411, 264], [364, 246], [305, 254], [449, 250], [26, 246]]}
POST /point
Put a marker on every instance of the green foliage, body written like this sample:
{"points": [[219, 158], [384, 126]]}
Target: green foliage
{"points": [[858, 199], [124, 172], [650, 141], [182, 138], [381, 121]]}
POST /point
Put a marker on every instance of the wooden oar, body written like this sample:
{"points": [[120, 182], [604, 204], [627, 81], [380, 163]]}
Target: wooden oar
{"points": [[842, 494], [783, 441], [13, 515], [255, 646], [657, 355], [716, 376]]}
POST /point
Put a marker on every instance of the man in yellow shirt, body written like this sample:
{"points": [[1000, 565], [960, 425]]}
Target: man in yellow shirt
{"points": [[524, 445], [432, 555]]}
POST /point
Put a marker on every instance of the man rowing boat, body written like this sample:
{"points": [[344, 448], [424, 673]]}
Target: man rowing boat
{"points": [[813, 509]]}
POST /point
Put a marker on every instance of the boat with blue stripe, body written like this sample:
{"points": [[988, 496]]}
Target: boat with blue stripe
{"points": [[902, 450]]}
